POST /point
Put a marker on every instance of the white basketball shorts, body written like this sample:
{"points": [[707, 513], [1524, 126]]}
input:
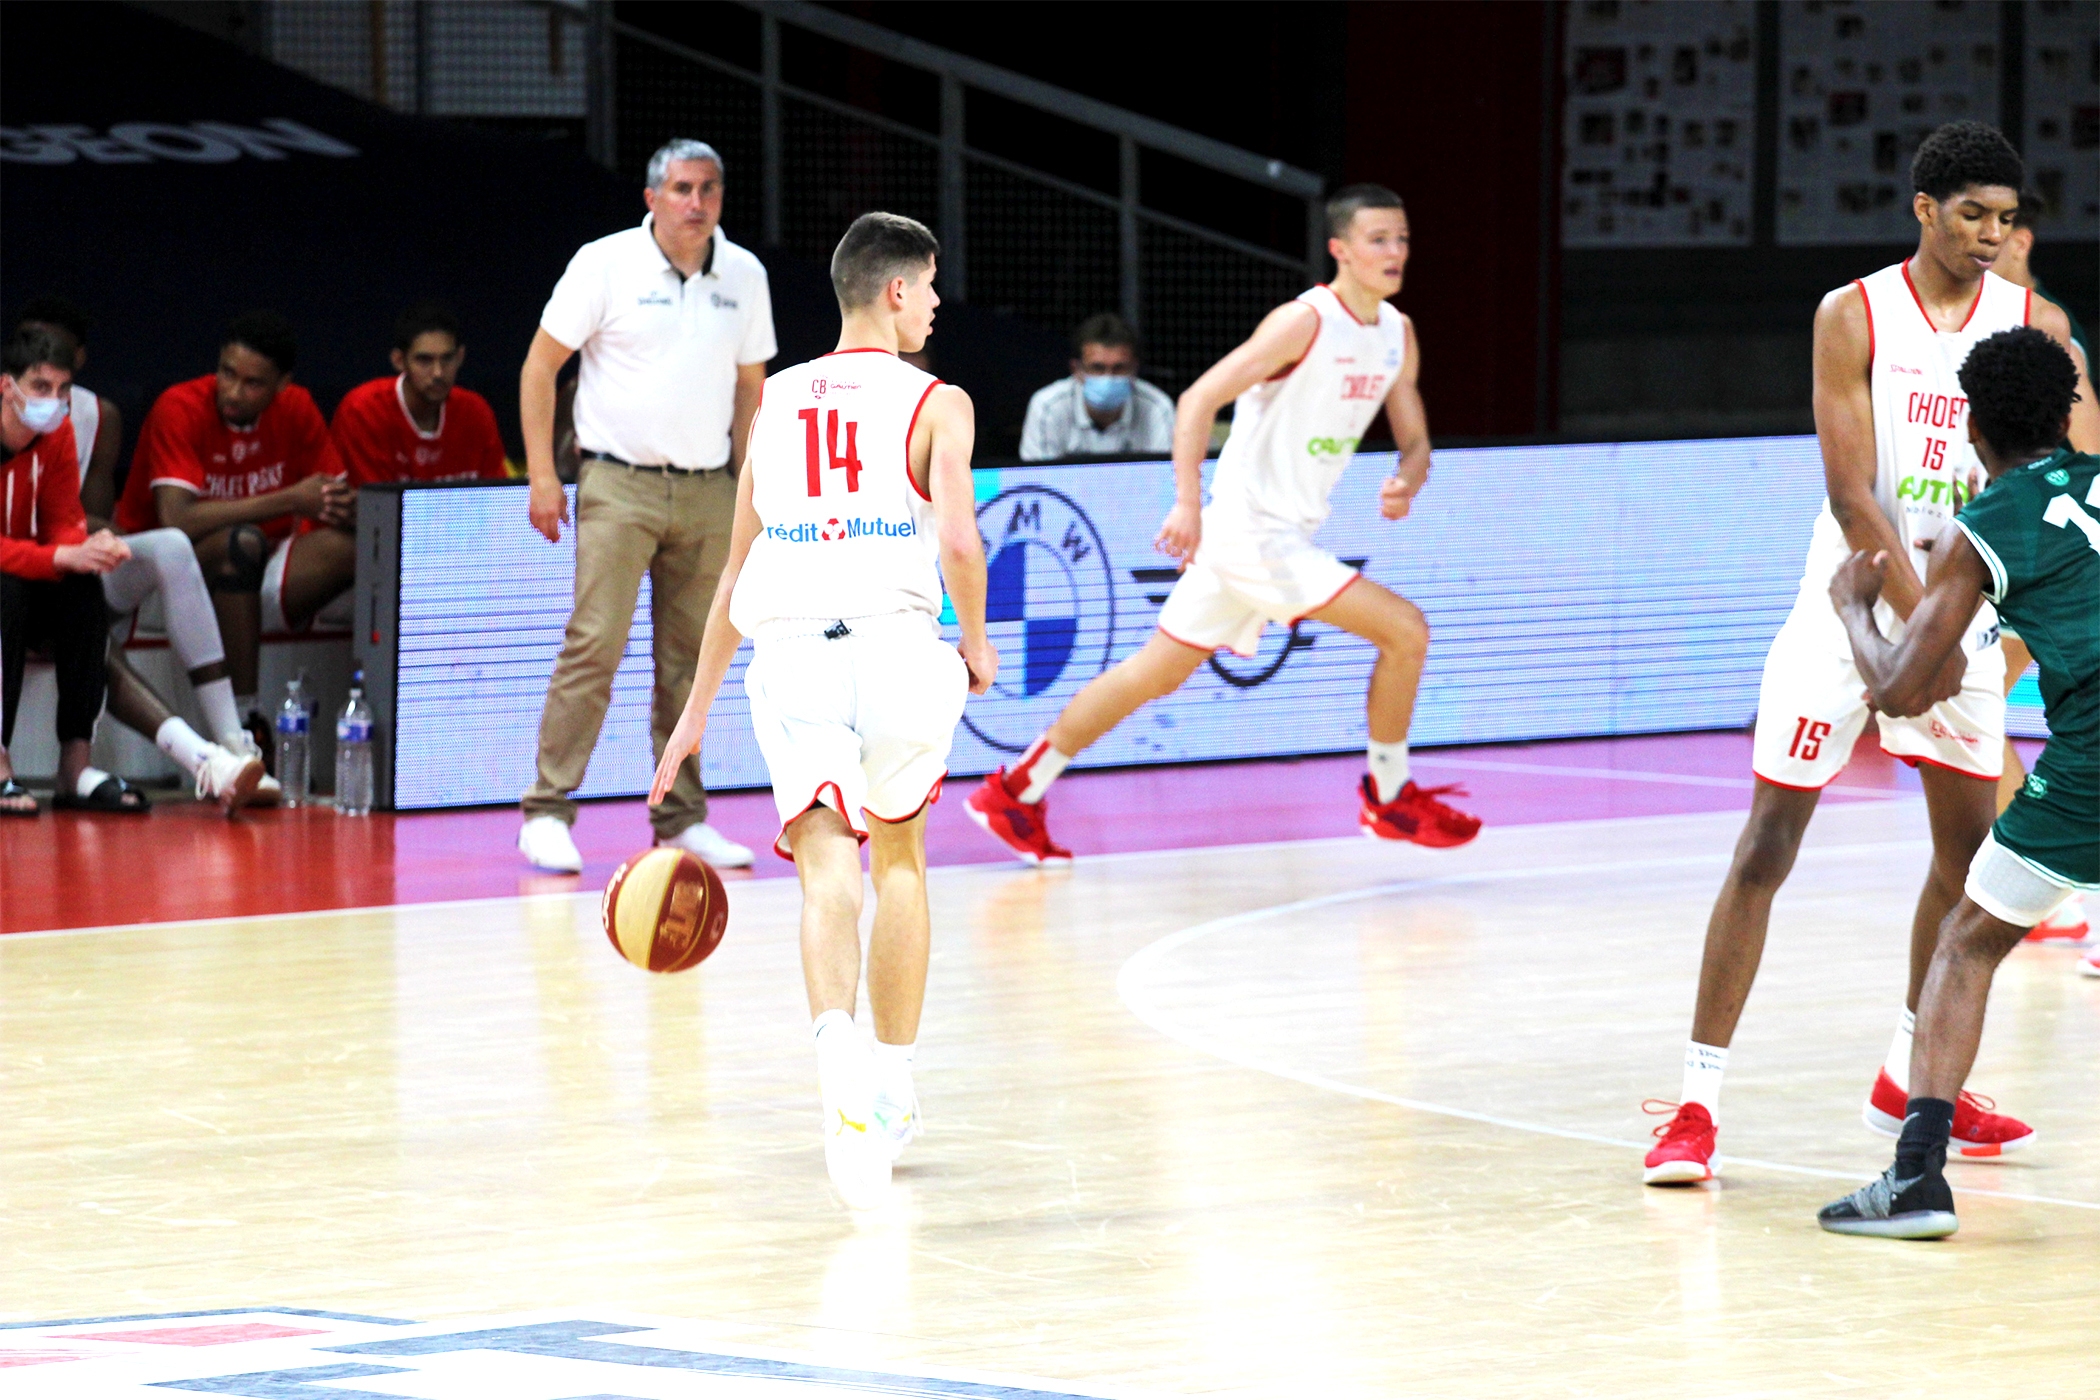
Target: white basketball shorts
{"points": [[1811, 704], [1243, 580], [861, 723], [333, 616]]}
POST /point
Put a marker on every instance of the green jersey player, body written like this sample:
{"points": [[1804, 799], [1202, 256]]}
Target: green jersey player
{"points": [[2031, 545]]}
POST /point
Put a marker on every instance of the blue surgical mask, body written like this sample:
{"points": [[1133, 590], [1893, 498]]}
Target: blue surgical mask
{"points": [[42, 415], [1105, 393]]}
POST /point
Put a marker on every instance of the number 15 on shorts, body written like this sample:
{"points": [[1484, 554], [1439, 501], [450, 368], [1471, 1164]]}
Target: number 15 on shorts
{"points": [[1808, 738]]}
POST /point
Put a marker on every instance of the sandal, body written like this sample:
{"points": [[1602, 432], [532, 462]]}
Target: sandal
{"points": [[111, 794], [12, 795]]}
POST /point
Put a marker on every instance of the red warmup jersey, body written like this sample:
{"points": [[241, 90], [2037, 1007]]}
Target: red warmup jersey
{"points": [[185, 443], [377, 440], [40, 505]]}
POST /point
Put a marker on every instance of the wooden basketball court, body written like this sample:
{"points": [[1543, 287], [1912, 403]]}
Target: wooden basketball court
{"points": [[1315, 1117]]}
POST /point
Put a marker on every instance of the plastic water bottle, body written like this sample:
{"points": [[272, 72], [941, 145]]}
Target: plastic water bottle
{"points": [[353, 752], [292, 725]]}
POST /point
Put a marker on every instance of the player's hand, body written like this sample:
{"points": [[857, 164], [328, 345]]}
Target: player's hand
{"points": [[683, 744], [983, 660], [547, 506], [98, 554], [338, 502], [310, 495], [1858, 581], [1396, 496], [1181, 532]]}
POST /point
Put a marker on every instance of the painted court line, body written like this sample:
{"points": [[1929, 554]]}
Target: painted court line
{"points": [[1132, 987]]}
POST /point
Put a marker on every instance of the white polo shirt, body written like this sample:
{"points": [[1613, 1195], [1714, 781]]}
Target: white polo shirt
{"points": [[660, 351]]}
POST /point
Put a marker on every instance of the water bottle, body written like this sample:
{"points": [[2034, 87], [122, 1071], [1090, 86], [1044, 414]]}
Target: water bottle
{"points": [[292, 725], [353, 752]]}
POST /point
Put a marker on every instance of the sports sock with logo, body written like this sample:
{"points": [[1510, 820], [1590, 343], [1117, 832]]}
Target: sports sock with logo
{"points": [[1388, 765], [1927, 1124], [835, 1024], [893, 1070], [222, 716], [1703, 1067], [1031, 777], [181, 743], [1897, 1066]]}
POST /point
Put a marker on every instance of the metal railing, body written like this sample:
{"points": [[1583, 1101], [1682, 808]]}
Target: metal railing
{"points": [[1014, 237]]}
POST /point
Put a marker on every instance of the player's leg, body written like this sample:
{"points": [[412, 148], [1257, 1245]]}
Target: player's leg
{"points": [[163, 562], [233, 561], [1201, 614], [317, 568], [1960, 809], [1394, 806], [224, 775], [617, 529], [898, 950], [827, 862]]}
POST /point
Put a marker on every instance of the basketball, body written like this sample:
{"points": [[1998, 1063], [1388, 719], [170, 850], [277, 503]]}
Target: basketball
{"points": [[665, 910]]}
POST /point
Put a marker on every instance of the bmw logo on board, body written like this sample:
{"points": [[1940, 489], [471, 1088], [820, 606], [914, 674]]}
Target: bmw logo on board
{"points": [[1050, 607]]}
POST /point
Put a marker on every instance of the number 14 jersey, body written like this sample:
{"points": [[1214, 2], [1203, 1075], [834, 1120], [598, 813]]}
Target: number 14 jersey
{"points": [[845, 530]]}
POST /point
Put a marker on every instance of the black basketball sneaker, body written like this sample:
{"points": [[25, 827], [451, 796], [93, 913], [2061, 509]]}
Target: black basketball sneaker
{"points": [[1893, 1207]]}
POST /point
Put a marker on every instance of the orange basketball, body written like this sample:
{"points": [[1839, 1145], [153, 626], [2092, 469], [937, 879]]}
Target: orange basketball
{"points": [[665, 909]]}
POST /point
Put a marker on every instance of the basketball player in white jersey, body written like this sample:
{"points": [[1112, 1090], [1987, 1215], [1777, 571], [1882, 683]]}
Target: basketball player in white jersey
{"points": [[1892, 420], [161, 561], [1307, 384], [855, 484]]}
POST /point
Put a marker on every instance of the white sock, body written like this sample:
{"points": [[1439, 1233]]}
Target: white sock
{"points": [[893, 1071], [222, 716], [244, 703], [1389, 772], [832, 1029], [90, 778], [1703, 1066], [182, 743], [1897, 1066], [1035, 772]]}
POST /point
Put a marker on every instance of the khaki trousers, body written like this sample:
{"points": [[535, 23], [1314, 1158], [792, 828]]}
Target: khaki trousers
{"points": [[674, 525]]}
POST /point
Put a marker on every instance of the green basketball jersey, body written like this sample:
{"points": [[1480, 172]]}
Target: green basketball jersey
{"points": [[2038, 530]]}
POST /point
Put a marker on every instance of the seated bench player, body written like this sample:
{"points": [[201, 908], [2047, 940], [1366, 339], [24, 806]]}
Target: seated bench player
{"points": [[162, 563], [49, 595], [240, 461], [417, 424]]}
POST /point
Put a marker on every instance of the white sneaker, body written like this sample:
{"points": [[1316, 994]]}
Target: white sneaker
{"points": [[2089, 965], [896, 1124], [545, 841], [711, 846], [228, 777], [856, 1159], [268, 791]]}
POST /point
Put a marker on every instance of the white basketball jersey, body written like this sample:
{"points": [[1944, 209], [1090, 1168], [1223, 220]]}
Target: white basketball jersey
{"points": [[845, 531], [1293, 436], [86, 413], [1922, 456]]}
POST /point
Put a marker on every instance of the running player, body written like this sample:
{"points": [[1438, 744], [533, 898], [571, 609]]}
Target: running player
{"points": [[2030, 544], [856, 480], [1307, 384], [1889, 413]]}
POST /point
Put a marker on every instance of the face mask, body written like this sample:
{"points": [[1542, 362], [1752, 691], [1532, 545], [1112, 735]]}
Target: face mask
{"points": [[1105, 392], [42, 415]]}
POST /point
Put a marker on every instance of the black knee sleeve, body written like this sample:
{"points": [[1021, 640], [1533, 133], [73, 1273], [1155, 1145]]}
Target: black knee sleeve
{"points": [[247, 553]]}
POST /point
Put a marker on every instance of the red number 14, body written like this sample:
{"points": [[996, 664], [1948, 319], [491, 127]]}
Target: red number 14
{"points": [[850, 463]]}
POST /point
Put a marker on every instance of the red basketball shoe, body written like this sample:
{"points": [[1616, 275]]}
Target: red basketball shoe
{"points": [[1415, 815], [1978, 1132], [1686, 1152], [1023, 826]]}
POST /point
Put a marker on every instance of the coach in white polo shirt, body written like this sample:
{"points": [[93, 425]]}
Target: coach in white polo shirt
{"points": [[675, 323]]}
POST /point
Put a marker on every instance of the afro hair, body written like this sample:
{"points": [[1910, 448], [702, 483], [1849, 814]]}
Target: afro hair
{"points": [[1964, 155], [2021, 385]]}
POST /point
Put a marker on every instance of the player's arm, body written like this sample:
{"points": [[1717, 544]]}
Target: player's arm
{"points": [[98, 489], [2049, 318], [1844, 406], [1409, 420], [181, 508], [949, 423], [547, 505], [1927, 666], [718, 644], [1278, 343], [750, 386]]}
